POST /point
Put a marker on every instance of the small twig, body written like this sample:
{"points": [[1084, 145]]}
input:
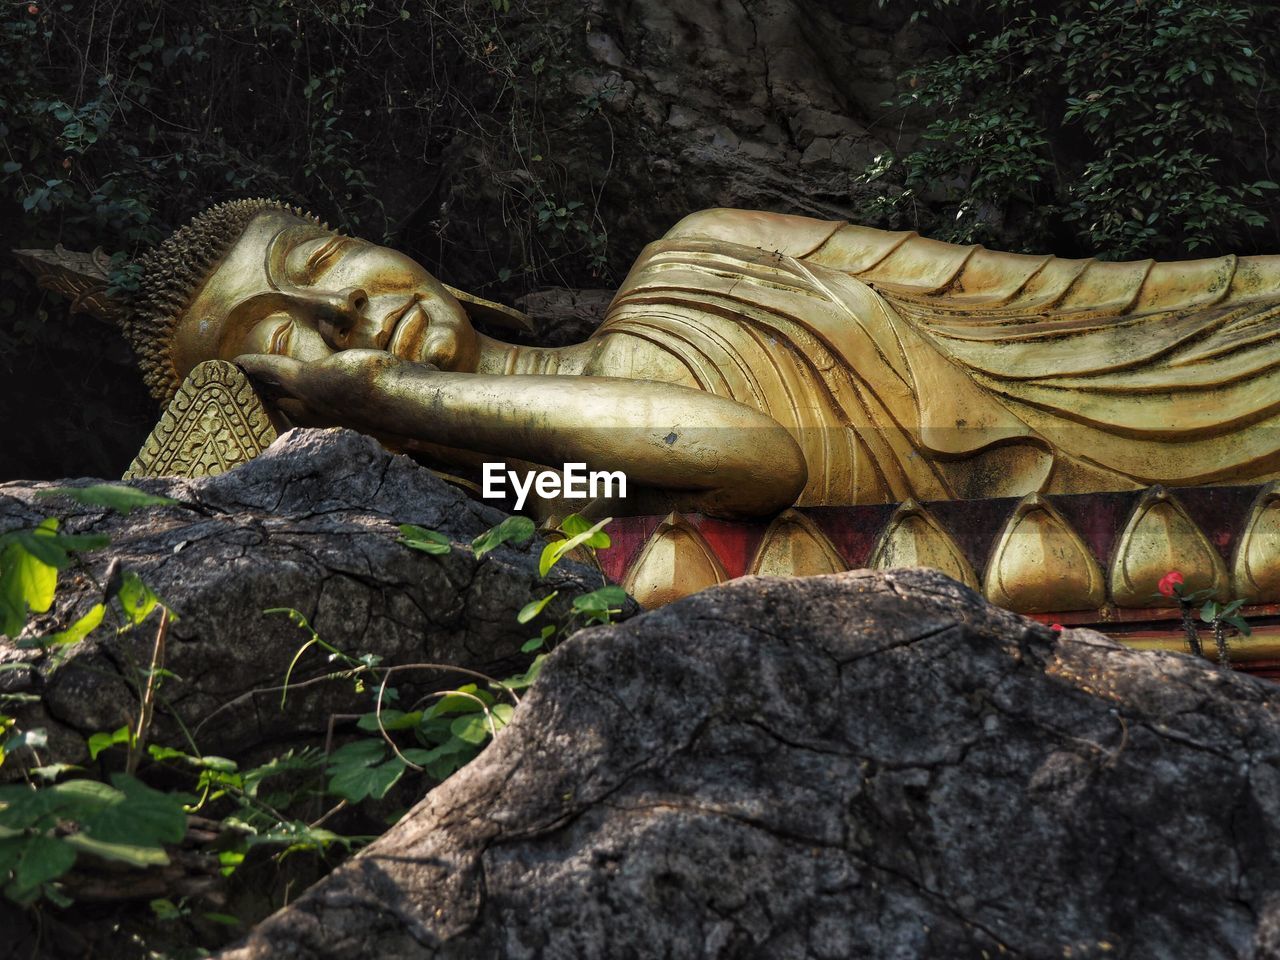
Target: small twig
{"points": [[250, 694], [515, 697], [340, 804], [139, 743]]}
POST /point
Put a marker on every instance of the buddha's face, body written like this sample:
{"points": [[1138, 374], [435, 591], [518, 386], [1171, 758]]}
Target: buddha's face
{"points": [[291, 288]]}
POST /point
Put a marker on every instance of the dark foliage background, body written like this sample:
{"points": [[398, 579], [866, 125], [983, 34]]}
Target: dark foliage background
{"points": [[512, 145], [120, 120], [1120, 128]]}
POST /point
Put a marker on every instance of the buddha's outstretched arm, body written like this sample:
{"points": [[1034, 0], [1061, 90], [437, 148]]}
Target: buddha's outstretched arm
{"points": [[729, 458]]}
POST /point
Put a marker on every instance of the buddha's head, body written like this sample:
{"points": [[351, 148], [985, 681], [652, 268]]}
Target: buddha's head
{"points": [[256, 276]]}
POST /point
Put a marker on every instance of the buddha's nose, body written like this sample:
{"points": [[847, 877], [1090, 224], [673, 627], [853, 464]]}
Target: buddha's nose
{"points": [[340, 316]]}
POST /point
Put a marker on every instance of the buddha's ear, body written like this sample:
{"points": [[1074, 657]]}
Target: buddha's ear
{"points": [[493, 314], [83, 278]]}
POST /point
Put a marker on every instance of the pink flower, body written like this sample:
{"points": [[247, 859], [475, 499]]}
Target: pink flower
{"points": [[1170, 583], [1056, 627]]}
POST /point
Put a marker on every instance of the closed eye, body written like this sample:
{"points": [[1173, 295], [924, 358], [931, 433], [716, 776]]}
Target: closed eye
{"points": [[281, 338], [325, 257]]}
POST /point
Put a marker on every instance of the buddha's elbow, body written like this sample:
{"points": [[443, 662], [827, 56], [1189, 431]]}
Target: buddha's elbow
{"points": [[789, 474], [768, 477]]}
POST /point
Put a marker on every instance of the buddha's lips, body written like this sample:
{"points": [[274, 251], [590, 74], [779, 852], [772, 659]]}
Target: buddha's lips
{"points": [[407, 330], [387, 329]]}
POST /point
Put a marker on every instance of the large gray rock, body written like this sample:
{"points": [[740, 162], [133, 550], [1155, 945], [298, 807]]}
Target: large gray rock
{"points": [[311, 525], [860, 765]]}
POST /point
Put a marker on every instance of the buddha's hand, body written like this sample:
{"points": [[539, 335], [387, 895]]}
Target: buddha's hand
{"points": [[344, 388]]}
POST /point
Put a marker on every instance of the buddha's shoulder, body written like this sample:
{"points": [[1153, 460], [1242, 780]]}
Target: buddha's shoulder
{"points": [[632, 356], [785, 233]]}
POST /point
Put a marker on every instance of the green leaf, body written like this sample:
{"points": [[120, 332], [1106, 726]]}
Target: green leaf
{"points": [[26, 583], [428, 541], [1242, 625], [446, 758], [141, 816], [220, 764], [136, 598], [165, 909], [135, 855], [549, 557], [78, 630], [43, 859], [502, 713], [228, 860], [11, 846], [523, 680], [358, 753], [459, 702], [167, 753], [42, 543], [1231, 608], [78, 799], [451, 747], [471, 728], [513, 529], [391, 720], [576, 523], [113, 496], [535, 607], [552, 552], [101, 741], [539, 641], [600, 600], [357, 782]]}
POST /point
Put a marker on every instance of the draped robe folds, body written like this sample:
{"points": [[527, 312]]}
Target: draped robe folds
{"points": [[905, 367]]}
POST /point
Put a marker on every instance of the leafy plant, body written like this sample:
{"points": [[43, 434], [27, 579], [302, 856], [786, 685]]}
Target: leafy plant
{"points": [[43, 826], [1111, 126], [1217, 615], [114, 496], [29, 564], [59, 813], [446, 733], [126, 821]]}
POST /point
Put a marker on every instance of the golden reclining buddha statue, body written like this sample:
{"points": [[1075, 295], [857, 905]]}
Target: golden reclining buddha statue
{"points": [[748, 363]]}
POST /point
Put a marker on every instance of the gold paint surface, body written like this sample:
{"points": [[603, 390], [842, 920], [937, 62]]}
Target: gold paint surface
{"points": [[752, 362], [913, 538], [675, 562], [793, 546], [1159, 537], [83, 278], [1040, 564], [214, 422], [1255, 568]]}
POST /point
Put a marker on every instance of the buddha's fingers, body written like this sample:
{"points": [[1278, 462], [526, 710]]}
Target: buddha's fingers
{"points": [[274, 377]]}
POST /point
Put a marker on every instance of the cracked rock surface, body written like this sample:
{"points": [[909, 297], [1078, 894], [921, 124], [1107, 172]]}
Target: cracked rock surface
{"points": [[310, 525], [860, 765]]}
